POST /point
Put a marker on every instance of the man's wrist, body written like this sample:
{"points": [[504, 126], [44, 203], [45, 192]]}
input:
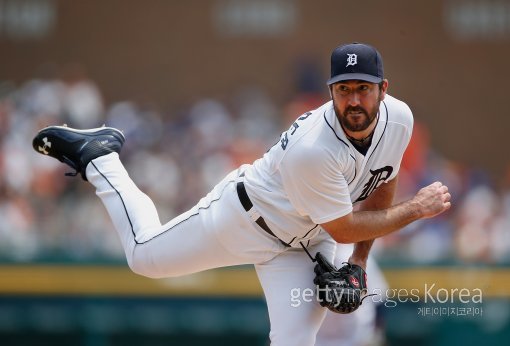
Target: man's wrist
{"points": [[362, 262], [414, 210]]}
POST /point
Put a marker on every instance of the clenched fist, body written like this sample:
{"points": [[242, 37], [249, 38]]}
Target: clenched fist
{"points": [[432, 200]]}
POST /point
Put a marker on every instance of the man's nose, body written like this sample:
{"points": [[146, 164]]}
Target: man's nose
{"points": [[354, 99]]}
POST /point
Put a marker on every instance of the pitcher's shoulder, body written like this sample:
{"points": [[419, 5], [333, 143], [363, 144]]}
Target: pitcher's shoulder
{"points": [[398, 111]]}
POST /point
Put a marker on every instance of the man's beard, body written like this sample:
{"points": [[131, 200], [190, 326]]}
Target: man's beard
{"points": [[356, 126]]}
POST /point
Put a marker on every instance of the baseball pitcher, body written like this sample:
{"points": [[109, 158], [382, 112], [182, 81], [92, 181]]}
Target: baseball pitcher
{"points": [[285, 212]]}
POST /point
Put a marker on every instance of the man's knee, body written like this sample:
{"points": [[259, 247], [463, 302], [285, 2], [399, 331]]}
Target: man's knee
{"points": [[142, 265]]}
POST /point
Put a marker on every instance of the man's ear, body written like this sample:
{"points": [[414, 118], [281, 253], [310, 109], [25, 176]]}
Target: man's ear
{"points": [[384, 88]]}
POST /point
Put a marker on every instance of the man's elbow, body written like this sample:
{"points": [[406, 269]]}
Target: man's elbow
{"points": [[341, 229], [340, 236], [344, 240]]}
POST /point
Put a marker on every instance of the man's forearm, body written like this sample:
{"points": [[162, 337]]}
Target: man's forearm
{"points": [[360, 253], [430, 201], [368, 225], [381, 198]]}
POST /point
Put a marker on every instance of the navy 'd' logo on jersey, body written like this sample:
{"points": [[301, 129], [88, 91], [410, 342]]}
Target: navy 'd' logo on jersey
{"points": [[378, 176]]}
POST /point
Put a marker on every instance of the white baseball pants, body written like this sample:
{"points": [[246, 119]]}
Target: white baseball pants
{"points": [[217, 232]]}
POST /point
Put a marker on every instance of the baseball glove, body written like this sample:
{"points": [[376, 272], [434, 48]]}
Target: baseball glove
{"points": [[340, 290]]}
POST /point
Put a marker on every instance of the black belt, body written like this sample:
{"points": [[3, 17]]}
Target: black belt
{"points": [[248, 205]]}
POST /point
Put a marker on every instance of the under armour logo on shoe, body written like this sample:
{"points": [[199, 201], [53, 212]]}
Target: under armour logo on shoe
{"points": [[47, 144], [352, 59]]}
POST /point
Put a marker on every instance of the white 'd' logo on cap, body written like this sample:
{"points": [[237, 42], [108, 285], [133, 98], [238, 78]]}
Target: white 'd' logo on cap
{"points": [[352, 59]]}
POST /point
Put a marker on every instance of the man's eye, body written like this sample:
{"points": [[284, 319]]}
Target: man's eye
{"points": [[363, 87]]}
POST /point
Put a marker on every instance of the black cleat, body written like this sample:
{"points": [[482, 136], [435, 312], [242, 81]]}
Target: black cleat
{"points": [[77, 148]]}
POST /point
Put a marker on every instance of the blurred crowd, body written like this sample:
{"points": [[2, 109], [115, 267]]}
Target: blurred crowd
{"points": [[177, 155]]}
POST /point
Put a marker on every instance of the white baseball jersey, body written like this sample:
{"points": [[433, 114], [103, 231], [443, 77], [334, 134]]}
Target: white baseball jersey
{"points": [[314, 175]]}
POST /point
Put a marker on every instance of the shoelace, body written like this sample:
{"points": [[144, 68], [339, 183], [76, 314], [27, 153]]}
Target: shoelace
{"points": [[346, 269]]}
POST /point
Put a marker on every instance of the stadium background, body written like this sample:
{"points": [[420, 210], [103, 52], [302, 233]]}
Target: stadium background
{"points": [[202, 86]]}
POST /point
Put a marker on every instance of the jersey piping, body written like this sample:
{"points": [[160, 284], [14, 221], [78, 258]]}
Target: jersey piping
{"points": [[347, 145], [166, 230], [384, 131]]}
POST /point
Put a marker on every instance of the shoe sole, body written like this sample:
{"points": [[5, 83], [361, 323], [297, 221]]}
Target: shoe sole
{"points": [[90, 132]]}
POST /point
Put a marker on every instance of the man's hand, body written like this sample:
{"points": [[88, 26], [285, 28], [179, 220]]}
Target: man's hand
{"points": [[432, 200], [340, 290]]}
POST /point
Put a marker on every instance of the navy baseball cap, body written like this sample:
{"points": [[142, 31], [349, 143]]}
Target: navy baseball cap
{"points": [[356, 61]]}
